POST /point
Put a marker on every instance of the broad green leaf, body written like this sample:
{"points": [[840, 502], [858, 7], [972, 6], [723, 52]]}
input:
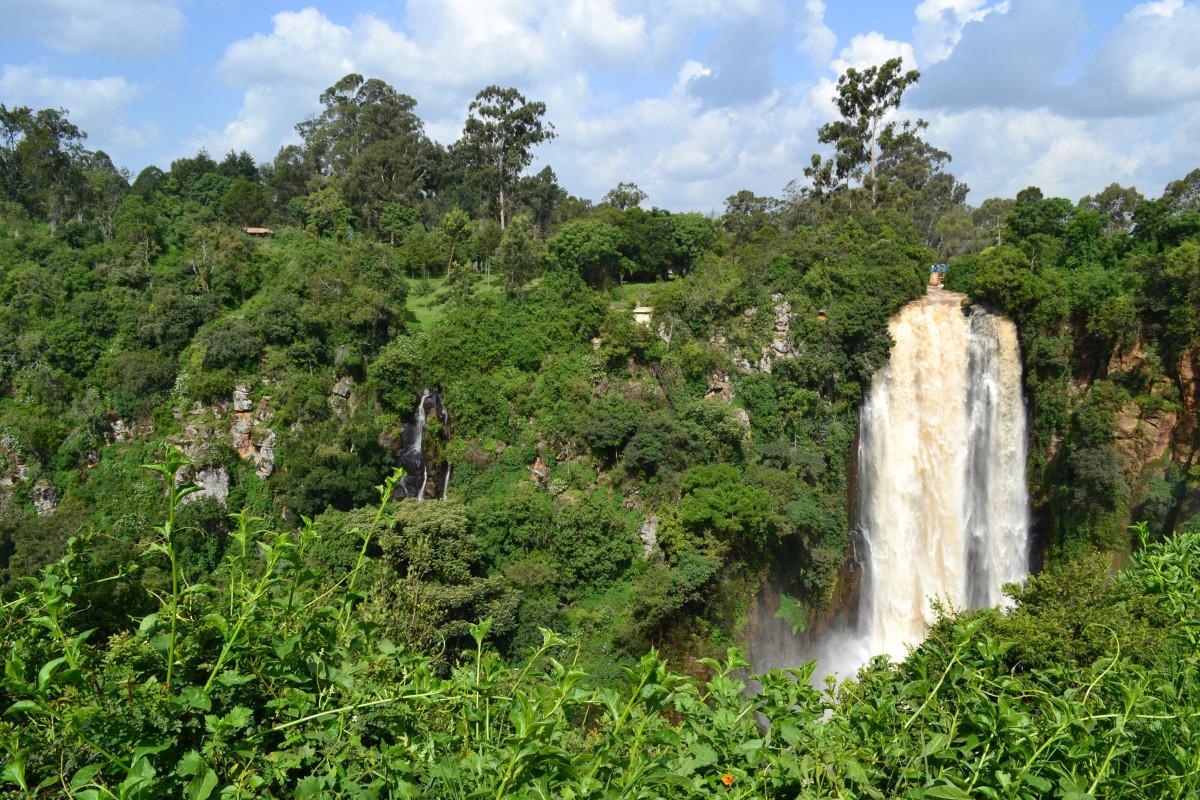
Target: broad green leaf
{"points": [[14, 771], [47, 671], [26, 706], [84, 775]]}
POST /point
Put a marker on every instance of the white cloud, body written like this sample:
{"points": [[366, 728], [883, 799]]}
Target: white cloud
{"points": [[868, 49], [130, 27], [1000, 152], [633, 98], [98, 106], [814, 37], [940, 24], [683, 147], [1148, 64]]}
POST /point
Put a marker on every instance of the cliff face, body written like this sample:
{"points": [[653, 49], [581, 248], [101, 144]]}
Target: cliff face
{"points": [[1157, 434]]}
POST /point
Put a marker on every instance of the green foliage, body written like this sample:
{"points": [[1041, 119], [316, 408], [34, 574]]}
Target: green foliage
{"points": [[716, 500], [246, 203], [269, 679], [591, 247]]}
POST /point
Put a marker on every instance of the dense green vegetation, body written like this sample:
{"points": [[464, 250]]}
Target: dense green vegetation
{"points": [[271, 680], [1106, 295], [627, 483]]}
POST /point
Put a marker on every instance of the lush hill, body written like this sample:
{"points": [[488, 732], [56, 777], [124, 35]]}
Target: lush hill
{"points": [[626, 479]]}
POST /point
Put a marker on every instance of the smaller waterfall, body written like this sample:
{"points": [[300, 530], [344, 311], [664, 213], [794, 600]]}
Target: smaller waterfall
{"points": [[426, 474]]}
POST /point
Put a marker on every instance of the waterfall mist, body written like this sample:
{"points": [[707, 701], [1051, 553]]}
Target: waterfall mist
{"points": [[942, 508]]}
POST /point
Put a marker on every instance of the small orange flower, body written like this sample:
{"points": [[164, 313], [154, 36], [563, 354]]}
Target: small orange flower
{"points": [[727, 779]]}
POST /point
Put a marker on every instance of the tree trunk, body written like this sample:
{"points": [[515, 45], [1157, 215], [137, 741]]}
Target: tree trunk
{"points": [[503, 217]]}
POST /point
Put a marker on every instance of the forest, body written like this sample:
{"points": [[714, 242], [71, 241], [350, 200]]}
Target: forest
{"points": [[389, 468]]}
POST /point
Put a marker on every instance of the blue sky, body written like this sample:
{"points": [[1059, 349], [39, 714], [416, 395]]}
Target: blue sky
{"points": [[691, 99]]}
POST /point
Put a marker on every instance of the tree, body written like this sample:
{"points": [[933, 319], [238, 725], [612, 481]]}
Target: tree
{"points": [[746, 213], [394, 169], [106, 188], [456, 226], [238, 165], [288, 175], [1184, 194], [544, 198], [397, 219], [864, 100], [357, 114], [40, 162], [624, 195], [137, 226], [1117, 203], [501, 130], [515, 256], [592, 247], [246, 203], [326, 214]]}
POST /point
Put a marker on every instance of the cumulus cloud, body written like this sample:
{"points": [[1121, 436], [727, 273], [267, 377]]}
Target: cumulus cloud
{"points": [[869, 49], [1009, 58], [98, 106], [132, 27], [813, 36], [700, 127], [635, 97], [940, 23], [1008, 101], [1148, 64], [739, 58]]}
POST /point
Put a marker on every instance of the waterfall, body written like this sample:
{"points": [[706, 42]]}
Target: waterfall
{"points": [[412, 454], [942, 505], [941, 508]]}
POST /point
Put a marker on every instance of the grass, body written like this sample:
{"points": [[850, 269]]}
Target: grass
{"points": [[627, 295], [426, 301]]}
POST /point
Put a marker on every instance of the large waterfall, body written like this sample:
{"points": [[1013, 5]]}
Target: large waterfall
{"points": [[942, 506], [942, 509]]}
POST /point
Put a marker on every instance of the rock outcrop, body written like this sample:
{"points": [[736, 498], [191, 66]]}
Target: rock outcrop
{"points": [[44, 496]]}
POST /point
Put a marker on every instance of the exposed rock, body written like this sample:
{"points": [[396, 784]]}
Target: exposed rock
{"points": [[649, 535], [783, 327], [241, 398], [13, 467], [122, 431], [720, 387], [253, 441], [264, 461], [341, 396], [44, 496], [213, 482], [539, 473], [743, 416]]}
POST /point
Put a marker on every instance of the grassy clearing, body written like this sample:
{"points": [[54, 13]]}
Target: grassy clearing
{"points": [[627, 295]]}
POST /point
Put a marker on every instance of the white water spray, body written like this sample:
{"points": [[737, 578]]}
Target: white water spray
{"points": [[942, 507]]}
